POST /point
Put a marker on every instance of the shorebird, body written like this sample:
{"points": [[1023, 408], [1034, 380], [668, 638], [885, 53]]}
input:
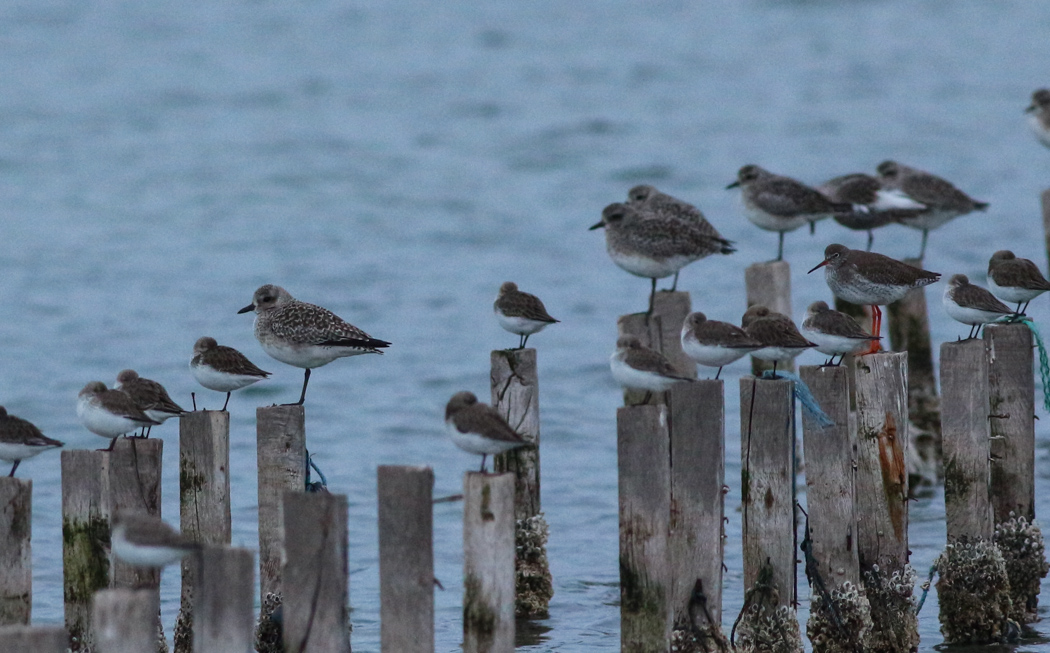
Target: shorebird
{"points": [[1039, 115], [20, 439], [221, 368], [972, 305], [654, 247], [870, 279], [778, 335], [110, 413], [146, 541], [150, 397], [636, 367], [478, 428], [776, 203], [520, 313], [834, 332], [942, 199], [305, 335], [713, 343], [873, 205], [1015, 279]]}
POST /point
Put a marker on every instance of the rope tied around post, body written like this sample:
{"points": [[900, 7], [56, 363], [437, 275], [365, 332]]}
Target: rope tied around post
{"points": [[804, 396], [1044, 359], [315, 486]]}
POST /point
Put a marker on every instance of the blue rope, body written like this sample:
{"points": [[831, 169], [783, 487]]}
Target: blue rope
{"points": [[317, 486], [805, 397], [925, 589], [1044, 360]]}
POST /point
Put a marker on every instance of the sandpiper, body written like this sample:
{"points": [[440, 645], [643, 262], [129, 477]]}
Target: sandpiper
{"points": [[778, 335], [835, 333], [647, 245], [942, 199], [520, 313], [146, 541], [781, 204], [873, 205], [221, 368], [478, 428], [305, 335], [713, 343], [870, 279], [149, 396], [1039, 115], [636, 367], [110, 413], [1015, 279], [20, 439], [970, 304]]}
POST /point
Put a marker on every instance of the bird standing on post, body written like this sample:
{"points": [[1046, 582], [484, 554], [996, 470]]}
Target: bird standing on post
{"points": [[21, 439], [778, 335], [109, 413], [636, 367], [479, 428], [713, 343], [520, 313], [834, 332], [972, 305], [221, 368], [145, 541], [1015, 279], [149, 396]]}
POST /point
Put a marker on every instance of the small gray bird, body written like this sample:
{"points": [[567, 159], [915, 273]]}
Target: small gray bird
{"points": [[520, 313], [478, 428]]}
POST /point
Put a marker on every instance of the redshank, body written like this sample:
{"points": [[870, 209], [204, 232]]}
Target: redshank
{"points": [[972, 305], [835, 333], [870, 279], [1015, 279], [713, 343]]}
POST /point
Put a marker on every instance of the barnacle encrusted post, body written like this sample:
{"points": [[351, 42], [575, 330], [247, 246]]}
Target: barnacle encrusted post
{"points": [[1023, 551], [974, 593]]}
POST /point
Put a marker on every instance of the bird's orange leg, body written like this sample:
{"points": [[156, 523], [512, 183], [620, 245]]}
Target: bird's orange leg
{"points": [[876, 329]]}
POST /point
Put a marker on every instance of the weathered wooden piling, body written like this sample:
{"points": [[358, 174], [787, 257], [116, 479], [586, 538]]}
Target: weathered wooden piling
{"points": [[125, 620], [34, 639], [661, 331], [135, 484], [223, 614], [840, 617], [316, 573], [882, 499], [204, 500], [16, 559], [488, 563], [406, 559], [281, 452], [769, 284], [973, 588], [909, 327], [85, 539], [1011, 378], [697, 509], [516, 395]]}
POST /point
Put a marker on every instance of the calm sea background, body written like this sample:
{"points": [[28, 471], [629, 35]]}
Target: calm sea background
{"points": [[396, 161]]}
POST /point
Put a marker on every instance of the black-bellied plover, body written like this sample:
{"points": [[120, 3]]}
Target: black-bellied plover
{"points": [[781, 342], [636, 367], [776, 203], [654, 247], [1039, 115], [873, 205], [972, 305], [942, 199], [20, 439], [713, 343], [1015, 279], [479, 428], [221, 368], [653, 203], [520, 312], [110, 413], [835, 333], [870, 279], [149, 396], [305, 335], [143, 540]]}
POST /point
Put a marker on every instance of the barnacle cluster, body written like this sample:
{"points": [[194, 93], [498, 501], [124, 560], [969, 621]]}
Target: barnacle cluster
{"points": [[895, 626], [182, 634], [974, 592], [268, 635], [1021, 543], [690, 638], [841, 621], [769, 630], [534, 588]]}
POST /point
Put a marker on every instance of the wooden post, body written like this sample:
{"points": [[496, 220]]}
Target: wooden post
{"points": [[16, 559], [134, 484], [37, 639], [315, 581], [204, 499], [697, 537], [1044, 200], [406, 559], [281, 451], [85, 539], [125, 620], [488, 563], [224, 619], [909, 328], [662, 331], [769, 284]]}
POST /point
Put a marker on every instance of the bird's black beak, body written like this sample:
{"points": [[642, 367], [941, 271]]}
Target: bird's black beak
{"points": [[247, 309], [819, 265], [735, 184], [596, 226]]}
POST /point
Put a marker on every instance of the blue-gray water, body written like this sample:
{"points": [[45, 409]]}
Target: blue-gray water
{"points": [[396, 161]]}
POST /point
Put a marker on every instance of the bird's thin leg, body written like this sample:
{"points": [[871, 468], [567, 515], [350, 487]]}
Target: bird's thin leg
{"points": [[718, 372], [652, 299], [483, 457], [1020, 310], [302, 397], [876, 328], [674, 286], [111, 443], [648, 396], [775, 367], [780, 248], [193, 398], [871, 238], [812, 228], [227, 400], [524, 341], [13, 468], [922, 250], [149, 429]]}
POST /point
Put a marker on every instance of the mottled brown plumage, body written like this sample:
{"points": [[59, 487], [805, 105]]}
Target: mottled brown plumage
{"points": [[149, 396], [21, 439]]}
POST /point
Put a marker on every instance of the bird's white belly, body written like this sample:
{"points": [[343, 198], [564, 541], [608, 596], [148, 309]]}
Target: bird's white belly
{"points": [[779, 354], [711, 355], [1041, 132], [832, 345], [968, 315], [476, 444], [102, 422], [863, 292], [650, 268], [1012, 294], [308, 356], [520, 325], [633, 379], [213, 379], [147, 556], [770, 222], [12, 451]]}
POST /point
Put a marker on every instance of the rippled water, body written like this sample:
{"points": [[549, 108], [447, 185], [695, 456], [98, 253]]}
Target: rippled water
{"points": [[396, 161]]}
